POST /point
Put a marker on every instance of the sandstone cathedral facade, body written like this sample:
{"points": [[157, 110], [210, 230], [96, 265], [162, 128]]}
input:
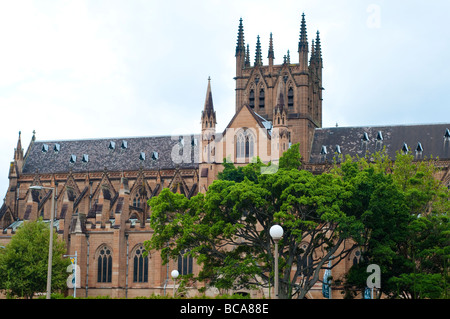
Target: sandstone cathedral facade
{"points": [[101, 186]]}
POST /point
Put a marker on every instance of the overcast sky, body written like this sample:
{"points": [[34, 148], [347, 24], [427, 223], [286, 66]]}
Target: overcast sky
{"points": [[105, 68]]}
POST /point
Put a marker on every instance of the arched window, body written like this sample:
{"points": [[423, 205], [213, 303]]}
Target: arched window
{"points": [[137, 200], [245, 144], [261, 98], [251, 99], [240, 145], [306, 261], [356, 257], [104, 265], [185, 264], [250, 145], [140, 265], [290, 98]]}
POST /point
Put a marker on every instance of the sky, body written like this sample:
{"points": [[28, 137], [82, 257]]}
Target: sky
{"points": [[124, 68]]}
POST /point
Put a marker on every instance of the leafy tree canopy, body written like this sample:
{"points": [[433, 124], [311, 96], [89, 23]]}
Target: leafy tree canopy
{"points": [[404, 209], [24, 261], [227, 229]]}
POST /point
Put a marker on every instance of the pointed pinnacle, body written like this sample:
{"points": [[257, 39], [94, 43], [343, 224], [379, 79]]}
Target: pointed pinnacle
{"points": [[271, 53], [318, 49], [240, 46], [303, 39], [247, 56], [209, 107], [258, 55]]}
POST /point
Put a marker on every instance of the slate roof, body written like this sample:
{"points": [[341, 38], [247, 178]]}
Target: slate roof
{"points": [[101, 154], [356, 140]]}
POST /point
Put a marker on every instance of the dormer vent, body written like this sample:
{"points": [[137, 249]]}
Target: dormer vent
{"points": [[419, 150], [337, 149], [379, 136], [447, 135], [365, 137], [405, 149], [112, 146], [44, 148], [419, 147]]}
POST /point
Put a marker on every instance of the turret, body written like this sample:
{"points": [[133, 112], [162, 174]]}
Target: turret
{"points": [[258, 54], [271, 54], [303, 46], [208, 113], [240, 49], [242, 61]]}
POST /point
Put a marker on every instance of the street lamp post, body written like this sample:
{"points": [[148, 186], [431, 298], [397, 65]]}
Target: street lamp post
{"points": [[50, 245], [276, 231], [174, 274]]}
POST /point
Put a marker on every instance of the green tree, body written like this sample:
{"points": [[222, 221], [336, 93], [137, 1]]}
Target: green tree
{"points": [[227, 229], [405, 214], [24, 261]]}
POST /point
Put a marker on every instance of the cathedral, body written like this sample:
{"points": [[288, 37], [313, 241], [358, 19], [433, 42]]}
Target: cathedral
{"points": [[101, 186]]}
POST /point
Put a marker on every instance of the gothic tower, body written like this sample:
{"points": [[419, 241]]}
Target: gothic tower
{"points": [[207, 141], [257, 85]]}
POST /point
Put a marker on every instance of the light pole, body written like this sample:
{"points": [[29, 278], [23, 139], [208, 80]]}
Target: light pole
{"points": [[174, 274], [50, 245], [276, 231]]}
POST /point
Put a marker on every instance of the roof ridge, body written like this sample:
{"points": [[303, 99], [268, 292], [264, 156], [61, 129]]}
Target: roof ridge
{"points": [[115, 138], [387, 125]]}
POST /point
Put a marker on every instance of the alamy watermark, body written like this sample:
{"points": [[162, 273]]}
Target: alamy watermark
{"points": [[374, 19], [374, 279], [238, 145]]}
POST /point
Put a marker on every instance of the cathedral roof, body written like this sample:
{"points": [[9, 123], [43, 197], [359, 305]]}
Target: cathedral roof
{"points": [[422, 141], [114, 154]]}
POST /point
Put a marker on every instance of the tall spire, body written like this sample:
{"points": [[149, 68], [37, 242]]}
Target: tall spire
{"points": [[303, 39], [247, 57], [258, 54], [209, 106], [240, 46], [303, 46], [313, 53], [18, 152], [318, 49], [271, 54]]}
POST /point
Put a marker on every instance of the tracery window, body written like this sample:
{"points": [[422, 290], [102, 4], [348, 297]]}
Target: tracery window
{"points": [[140, 265], [137, 200], [104, 265], [245, 144], [249, 145], [240, 145], [185, 264]]}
